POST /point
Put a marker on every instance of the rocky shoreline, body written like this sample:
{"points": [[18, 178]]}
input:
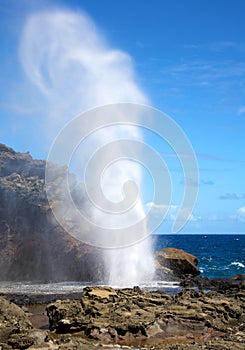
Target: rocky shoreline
{"points": [[195, 318], [203, 314]]}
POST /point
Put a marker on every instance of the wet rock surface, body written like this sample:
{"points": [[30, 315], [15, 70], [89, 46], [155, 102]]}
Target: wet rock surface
{"points": [[227, 286], [131, 318]]}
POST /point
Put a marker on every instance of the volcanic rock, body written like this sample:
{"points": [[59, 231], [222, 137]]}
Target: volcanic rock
{"points": [[228, 286], [177, 261], [240, 278], [111, 315], [14, 322], [33, 246], [131, 318]]}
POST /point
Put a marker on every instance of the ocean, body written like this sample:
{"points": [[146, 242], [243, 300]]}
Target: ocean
{"points": [[219, 255]]}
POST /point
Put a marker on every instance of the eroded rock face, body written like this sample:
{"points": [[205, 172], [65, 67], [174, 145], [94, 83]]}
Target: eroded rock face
{"points": [[176, 262], [33, 246], [112, 315], [16, 330], [13, 321]]}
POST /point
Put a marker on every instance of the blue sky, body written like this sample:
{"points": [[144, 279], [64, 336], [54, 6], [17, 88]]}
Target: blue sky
{"points": [[188, 58]]}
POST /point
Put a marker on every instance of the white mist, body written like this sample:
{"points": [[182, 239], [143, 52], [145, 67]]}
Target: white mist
{"points": [[130, 266], [73, 69]]}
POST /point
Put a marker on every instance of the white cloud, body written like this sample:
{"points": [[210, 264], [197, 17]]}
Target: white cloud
{"points": [[240, 214], [204, 73], [241, 110], [218, 46], [214, 217], [171, 212]]}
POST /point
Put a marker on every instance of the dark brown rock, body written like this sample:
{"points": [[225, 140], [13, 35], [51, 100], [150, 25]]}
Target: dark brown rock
{"points": [[13, 320], [63, 314], [33, 246], [4, 346], [229, 286], [239, 277], [20, 341], [177, 261]]}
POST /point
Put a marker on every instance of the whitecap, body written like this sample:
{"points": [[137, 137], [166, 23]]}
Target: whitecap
{"points": [[237, 263]]}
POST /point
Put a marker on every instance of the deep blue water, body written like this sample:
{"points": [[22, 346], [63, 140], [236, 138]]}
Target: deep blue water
{"points": [[220, 255]]}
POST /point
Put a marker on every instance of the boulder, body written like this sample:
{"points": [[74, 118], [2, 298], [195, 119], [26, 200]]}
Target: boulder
{"points": [[14, 323], [16, 329], [63, 314], [177, 261]]}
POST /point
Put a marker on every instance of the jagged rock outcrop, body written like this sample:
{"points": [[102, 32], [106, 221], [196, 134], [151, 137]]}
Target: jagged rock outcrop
{"points": [[226, 286], [111, 315], [16, 329], [33, 246], [176, 262], [131, 318], [13, 320]]}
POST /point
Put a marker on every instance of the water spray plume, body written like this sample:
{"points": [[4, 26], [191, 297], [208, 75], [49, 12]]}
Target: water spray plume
{"points": [[74, 70], [122, 225]]}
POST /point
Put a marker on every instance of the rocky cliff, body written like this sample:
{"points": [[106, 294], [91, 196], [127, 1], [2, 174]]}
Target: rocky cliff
{"points": [[33, 247]]}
